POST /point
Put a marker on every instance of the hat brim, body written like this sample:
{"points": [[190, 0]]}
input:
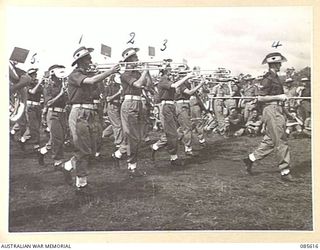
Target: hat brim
{"points": [[85, 54], [135, 52]]}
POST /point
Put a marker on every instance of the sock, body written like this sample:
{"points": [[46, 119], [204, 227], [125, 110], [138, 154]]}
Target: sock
{"points": [[43, 150], [202, 141], [285, 171], [155, 147], [81, 181], [188, 149], [251, 157], [132, 166], [118, 154], [68, 165], [97, 154], [173, 157], [23, 139]]}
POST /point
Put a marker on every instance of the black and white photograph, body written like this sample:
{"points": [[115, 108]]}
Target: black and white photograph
{"points": [[160, 119]]}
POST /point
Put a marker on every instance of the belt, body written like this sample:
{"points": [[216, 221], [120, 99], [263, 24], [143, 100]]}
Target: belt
{"points": [[33, 103], [57, 109], [85, 106], [132, 97], [96, 101], [279, 103], [167, 102], [183, 101]]}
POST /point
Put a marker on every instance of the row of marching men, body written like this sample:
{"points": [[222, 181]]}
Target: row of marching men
{"points": [[128, 117]]}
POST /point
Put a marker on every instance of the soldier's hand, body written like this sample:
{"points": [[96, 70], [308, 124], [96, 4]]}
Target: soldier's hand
{"points": [[116, 68], [283, 97]]}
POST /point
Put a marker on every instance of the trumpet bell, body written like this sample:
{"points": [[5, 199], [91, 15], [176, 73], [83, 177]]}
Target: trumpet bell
{"points": [[60, 73]]}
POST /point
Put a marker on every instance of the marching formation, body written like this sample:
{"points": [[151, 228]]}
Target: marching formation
{"points": [[178, 102]]}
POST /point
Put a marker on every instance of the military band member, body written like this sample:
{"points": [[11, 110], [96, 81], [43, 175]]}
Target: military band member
{"points": [[218, 104], [83, 113], [168, 116], [132, 114], [272, 96], [98, 94], [113, 92], [56, 102], [182, 97], [33, 109], [196, 109]]}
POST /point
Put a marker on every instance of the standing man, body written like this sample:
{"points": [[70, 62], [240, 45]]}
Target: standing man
{"points": [[168, 117], [132, 114], [83, 113], [304, 108], [183, 94], [33, 109], [113, 92], [272, 96], [218, 105], [250, 89], [56, 103]]}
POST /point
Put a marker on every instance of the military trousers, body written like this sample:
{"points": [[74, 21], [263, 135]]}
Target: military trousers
{"points": [[113, 111], [57, 133], [34, 120], [84, 136], [248, 107], [98, 120], [168, 120], [133, 122], [218, 107], [184, 120], [49, 121], [275, 137], [197, 123]]}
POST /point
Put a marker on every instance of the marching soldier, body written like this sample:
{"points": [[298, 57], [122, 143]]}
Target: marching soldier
{"points": [[98, 93], [113, 92], [273, 117], [33, 110], [56, 103], [183, 94], [196, 108], [168, 117], [132, 114], [83, 114], [218, 105]]}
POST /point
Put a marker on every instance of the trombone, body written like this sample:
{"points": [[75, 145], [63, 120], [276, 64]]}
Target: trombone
{"points": [[139, 65]]}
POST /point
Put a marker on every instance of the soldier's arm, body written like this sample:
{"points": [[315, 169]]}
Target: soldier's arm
{"points": [[193, 90], [34, 90], [23, 82], [100, 77], [177, 84], [52, 100]]}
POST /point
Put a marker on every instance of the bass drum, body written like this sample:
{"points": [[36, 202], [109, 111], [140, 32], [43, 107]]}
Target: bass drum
{"points": [[18, 96]]}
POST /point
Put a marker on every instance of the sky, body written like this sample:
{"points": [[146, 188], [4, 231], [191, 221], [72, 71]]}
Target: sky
{"points": [[237, 38]]}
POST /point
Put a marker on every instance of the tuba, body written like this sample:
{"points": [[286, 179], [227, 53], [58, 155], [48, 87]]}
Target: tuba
{"points": [[18, 95]]}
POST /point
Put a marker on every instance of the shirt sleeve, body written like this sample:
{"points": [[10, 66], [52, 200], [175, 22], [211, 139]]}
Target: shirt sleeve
{"points": [[76, 78], [265, 87], [164, 83]]}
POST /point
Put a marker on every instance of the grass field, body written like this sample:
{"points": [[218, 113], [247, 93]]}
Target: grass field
{"points": [[212, 192]]}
